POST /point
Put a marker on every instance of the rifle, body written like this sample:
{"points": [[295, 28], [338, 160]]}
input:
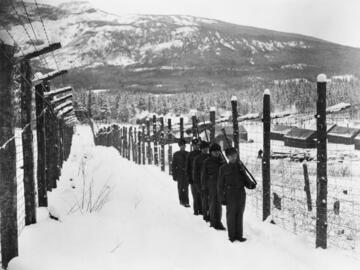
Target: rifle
{"points": [[238, 158], [207, 137]]}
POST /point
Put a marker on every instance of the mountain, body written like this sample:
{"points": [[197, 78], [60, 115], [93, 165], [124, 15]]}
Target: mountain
{"points": [[160, 53]]}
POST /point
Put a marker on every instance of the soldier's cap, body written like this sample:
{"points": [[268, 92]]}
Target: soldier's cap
{"points": [[195, 141], [181, 142], [230, 151], [204, 144], [215, 147]]}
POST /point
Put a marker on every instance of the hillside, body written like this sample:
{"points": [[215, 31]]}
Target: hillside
{"points": [[174, 53]]}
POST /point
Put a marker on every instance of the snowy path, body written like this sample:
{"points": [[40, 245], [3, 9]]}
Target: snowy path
{"points": [[142, 226]]}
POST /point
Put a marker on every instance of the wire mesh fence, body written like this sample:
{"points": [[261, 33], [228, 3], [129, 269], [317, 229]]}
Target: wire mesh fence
{"points": [[293, 171]]}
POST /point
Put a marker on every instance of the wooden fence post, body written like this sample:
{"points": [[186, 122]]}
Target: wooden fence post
{"points": [[212, 124], [181, 128], [321, 200], [169, 145], [50, 143], [194, 126], [130, 144], [134, 145], [57, 150], [156, 154], [149, 152], [120, 140], [143, 144], [61, 131], [8, 184], [41, 145], [266, 155], [235, 123], [27, 143], [307, 186], [139, 147], [162, 143], [125, 143]]}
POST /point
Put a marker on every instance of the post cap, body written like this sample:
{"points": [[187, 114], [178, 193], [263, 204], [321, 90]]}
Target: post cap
{"points": [[212, 109], [267, 92], [321, 78], [193, 112], [233, 98]]}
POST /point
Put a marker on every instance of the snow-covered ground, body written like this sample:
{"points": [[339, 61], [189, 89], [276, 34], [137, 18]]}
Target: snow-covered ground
{"points": [[128, 217]]}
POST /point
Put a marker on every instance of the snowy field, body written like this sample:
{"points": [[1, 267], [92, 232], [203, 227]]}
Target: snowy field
{"points": [[114, 214]]}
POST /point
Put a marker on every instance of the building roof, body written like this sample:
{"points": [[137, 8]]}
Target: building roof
{"points": [[299, 133], [344, 131], [229, 129], [282, 129]]}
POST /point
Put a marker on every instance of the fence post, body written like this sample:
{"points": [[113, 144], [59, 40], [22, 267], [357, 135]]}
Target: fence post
{"points": [[194, 126], [8, 185], [143, 144], [181, 128], [139, 147], [170, 145], [307, 186], [50, 144], [134, 145], [212, 124], [266, 155], [235, 123], [57, 149], [61, 131], [156, 157], [41, 143], [125, 143], [321, 200], [27, 143], [162, 143], [130, 148], [149, 154], [120, 140]]}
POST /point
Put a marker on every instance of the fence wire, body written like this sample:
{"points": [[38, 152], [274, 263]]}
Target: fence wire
{"points": [[293, 207]]}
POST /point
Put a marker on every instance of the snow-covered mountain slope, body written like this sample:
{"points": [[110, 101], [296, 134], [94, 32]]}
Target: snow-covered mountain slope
{"points": [[97, 40]]}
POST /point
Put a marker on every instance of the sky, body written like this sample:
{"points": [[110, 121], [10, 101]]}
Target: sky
{"points": [[333, 20]]}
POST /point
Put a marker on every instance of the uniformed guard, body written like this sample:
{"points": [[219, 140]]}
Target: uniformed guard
{"points": [[189, 166], [179, 174], [231, 186], [196, 175], [209, 178]]}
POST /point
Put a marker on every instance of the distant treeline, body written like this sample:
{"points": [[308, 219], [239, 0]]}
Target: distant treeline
{"points": [[123, 105]]}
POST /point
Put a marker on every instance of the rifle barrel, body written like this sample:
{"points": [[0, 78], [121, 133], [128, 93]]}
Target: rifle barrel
{"points": [[240, 162]]}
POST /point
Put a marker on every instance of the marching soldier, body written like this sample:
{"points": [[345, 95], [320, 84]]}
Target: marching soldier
{"points": [[189, 162], [196, 176], [179, 174], [209, 178], [231, 186]]}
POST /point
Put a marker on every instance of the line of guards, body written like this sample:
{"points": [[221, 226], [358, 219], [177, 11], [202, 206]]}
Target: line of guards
{"points": [[213, 182]]}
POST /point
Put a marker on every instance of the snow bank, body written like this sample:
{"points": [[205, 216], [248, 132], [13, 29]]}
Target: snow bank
{"points": [[142, 226]]}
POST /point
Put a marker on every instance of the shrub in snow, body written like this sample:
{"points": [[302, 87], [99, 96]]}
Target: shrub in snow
{"points": [[90, 196]]}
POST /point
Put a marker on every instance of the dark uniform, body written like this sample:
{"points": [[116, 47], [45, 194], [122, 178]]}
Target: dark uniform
{"points": [[179, 175], [231, 186], [197, 166], [196, 195], [209, 178]]}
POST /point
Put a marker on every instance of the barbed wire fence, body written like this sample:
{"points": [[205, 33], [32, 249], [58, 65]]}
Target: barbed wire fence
{"points": [[36, 128], [291, 196]]}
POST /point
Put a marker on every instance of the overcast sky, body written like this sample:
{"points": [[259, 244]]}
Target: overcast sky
{"points": [[332, 20]]}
